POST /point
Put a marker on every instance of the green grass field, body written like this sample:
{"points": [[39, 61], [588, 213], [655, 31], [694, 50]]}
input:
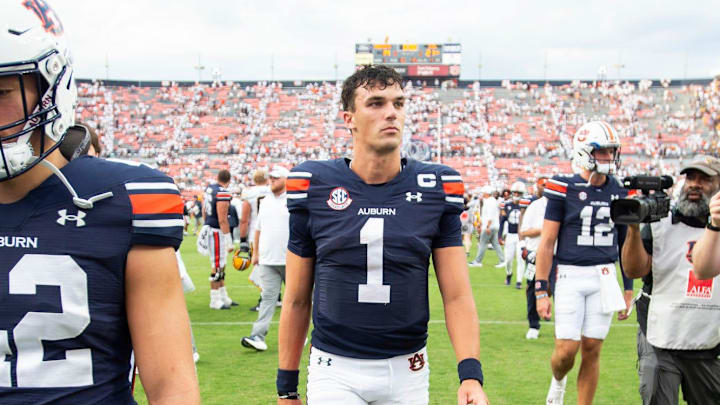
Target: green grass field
{"points": [[517, 371]]}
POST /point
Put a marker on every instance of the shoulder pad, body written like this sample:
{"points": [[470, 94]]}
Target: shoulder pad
{"points": [[298, 181], [557, 186]]}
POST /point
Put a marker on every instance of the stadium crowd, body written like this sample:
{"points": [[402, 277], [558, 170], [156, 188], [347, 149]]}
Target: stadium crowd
{"points": [[490, 135]]}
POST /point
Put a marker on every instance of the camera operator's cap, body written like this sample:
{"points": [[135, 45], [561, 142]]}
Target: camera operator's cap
{"points": [[279, 171], [488, 190], [709, 165]]}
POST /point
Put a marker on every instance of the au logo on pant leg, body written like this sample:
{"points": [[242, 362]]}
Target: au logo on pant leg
{"points": [[417, 362]]}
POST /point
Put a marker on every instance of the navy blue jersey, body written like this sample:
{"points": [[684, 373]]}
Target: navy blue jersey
{"points": [[512, 211], [372, 246], [63, 327], [214, 193], [587, 235]]}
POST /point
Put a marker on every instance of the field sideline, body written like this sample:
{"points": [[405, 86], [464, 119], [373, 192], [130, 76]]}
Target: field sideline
{"points": [[517, 371]]}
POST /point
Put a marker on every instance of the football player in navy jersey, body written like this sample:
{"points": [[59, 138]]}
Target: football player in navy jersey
{"points": [[511, 213], [586, 292], [87, 266], [362, 232], [216, 205]]}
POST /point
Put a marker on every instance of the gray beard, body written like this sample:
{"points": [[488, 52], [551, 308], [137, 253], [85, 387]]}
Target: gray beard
{"points": [[699, 209]]}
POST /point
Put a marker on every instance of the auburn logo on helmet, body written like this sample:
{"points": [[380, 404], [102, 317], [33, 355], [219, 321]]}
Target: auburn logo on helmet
{"points": [[582, 135], [50, 21]]}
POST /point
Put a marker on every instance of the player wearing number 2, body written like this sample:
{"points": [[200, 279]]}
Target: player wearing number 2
{"points": [[361, 235], [586, 292], [87, 266]]}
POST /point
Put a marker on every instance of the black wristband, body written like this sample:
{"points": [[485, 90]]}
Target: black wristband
{"points": [[287, 382], [541, 285], [470, 369], [288, 395], [712, 227]]}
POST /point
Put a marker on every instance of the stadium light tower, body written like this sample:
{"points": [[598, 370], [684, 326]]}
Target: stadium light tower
{"points": [[335, 66], [479, 67], [619, 66], [272, 67], [217, 76], [199, 67], [107, 67]]}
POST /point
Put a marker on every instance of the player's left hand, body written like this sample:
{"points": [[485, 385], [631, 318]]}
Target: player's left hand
{"points": [[628, 296], [471, 392]]}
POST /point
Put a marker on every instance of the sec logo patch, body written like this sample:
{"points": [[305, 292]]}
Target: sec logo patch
{"points": [[582, 196], [339, 199]]}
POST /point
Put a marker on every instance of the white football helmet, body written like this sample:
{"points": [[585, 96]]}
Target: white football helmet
{"points": [[33, 44], [590, 137], [518, 187]]}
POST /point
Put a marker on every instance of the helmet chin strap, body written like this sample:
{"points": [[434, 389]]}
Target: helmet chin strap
{"points": [[79, 202]]}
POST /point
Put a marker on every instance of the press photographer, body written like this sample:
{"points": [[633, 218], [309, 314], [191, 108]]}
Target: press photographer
{"points": [[676, 346]]}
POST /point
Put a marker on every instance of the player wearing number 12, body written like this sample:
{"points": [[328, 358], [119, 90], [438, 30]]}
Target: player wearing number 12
{"points": [[87, 265], [361, 235], [586, 292]]}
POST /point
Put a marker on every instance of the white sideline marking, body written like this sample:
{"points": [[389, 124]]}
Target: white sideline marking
{"points": [[433, 321]]}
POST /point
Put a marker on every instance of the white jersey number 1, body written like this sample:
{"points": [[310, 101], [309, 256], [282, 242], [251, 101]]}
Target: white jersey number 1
{"points": [[374, 292]]}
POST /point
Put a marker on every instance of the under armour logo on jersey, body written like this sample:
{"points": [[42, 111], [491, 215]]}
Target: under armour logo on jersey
{"points": [[325, 361], [417, 197], [78, 219], [417, 362]]}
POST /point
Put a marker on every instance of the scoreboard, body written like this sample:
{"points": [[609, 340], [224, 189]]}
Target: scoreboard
{"points": [[413, 60]]}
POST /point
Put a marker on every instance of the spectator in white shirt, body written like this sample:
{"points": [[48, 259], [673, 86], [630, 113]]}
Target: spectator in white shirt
{"points": [[530, 230], [489, 225], [271, 238]]}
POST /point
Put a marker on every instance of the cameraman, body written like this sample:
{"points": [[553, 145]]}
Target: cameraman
{"points": [[675, 346]]}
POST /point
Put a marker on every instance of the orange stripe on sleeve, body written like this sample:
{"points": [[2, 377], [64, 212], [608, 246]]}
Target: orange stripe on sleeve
{"points": [[156, 203], [454, 188], [556, 187], [297, 184]]}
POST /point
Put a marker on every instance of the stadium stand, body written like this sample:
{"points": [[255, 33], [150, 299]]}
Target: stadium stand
{"points": [[491, 135]]}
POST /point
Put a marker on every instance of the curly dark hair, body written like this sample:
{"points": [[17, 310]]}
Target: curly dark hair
{"points": [[368, 76]]}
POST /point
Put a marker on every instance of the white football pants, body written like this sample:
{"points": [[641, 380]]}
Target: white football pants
{"points": [[334, 380]]}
